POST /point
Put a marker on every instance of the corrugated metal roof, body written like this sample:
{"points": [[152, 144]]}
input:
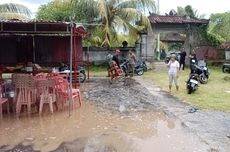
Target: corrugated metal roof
{"points": [[154, 18], [39, 27], [31, 21]]}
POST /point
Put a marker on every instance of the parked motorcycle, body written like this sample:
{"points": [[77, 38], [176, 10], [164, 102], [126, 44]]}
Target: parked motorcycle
{"points": [[192, 83], [142, 64], [226, 68], [202, 70], [138, 69], [66, 69]]}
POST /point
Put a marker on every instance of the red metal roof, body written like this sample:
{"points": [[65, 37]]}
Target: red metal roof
{"points": [[154, 18]]}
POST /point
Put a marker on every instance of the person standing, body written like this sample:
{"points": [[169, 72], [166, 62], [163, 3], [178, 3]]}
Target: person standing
{"points": [[193, 61], [116, 57], [173, 72], [132, 61], [182, 58]]}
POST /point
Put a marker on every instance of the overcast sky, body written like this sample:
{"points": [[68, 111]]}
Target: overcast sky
{"points": [[203, 6]]}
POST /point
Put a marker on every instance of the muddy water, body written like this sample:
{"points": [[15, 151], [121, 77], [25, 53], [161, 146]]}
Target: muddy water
{"points": [[93, 128]]}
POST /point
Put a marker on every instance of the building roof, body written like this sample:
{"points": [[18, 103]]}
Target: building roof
{"points": [[173, 37], [38, 27], [225, 45], [154, 18]]}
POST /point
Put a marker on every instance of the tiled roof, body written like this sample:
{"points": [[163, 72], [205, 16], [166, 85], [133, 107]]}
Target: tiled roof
{"points": [[154, 18], [225, 45], [175, 37]]}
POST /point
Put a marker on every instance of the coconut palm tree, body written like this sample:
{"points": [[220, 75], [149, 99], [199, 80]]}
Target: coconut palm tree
{"points": [[14, 11], [118, 15]]}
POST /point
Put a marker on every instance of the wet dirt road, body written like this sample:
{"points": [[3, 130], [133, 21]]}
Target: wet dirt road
{"points": [[95, 129], [115, 126]]}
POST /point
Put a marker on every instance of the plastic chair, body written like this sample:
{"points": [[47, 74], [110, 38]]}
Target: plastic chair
{"points": [[47, 94], [52, 74], [2, 101], [25, 92], [63, 92], [40, 76], [115, 71]]}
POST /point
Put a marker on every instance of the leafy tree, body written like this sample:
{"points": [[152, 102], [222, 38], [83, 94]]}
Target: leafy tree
{"points": [[220, 25], [189, 11], [111, 15], [14, 11], [117, 15]]}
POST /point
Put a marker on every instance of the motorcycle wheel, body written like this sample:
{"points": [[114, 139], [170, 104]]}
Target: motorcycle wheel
{"points": [[82, 77], [226, 70], [140, 72], [203, 79], [189, 90]]}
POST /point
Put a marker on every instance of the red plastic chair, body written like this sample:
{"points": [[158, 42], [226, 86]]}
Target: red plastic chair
{"points": [[40, 76], [52, 74], [63, 92]]}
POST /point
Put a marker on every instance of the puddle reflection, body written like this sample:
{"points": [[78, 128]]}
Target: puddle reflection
{"points": [[95, 129]]}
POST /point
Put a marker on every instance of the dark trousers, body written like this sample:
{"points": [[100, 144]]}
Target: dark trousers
{"points": [[182, 63]]}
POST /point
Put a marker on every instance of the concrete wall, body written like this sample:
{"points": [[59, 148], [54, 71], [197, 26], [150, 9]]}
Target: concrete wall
{"points": [[147, 47], [97, 56]]}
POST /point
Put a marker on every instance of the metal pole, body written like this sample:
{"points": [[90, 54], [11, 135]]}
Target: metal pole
{"points": [[158, 35], [34, 55], [71, 67], [88, 60]]}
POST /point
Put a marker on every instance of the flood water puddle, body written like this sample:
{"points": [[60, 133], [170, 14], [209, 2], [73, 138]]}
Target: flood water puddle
{"points": [[94, 129]]}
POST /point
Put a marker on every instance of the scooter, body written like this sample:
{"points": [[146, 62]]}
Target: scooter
{"points": [[202, 70], [192, 83], [138, 69], [66, 70]]}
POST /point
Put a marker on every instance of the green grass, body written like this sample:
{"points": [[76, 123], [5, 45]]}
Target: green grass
{"points": [[210, 96], [98, 71]]}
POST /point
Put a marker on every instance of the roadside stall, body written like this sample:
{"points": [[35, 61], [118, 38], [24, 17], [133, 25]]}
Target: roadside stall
{"points": [[29, 53]]}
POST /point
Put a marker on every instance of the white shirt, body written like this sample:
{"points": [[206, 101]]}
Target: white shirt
{"points": [[173, 67]]}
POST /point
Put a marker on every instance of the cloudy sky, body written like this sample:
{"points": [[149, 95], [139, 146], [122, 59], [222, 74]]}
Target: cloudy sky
{"points": [[203, 6]]}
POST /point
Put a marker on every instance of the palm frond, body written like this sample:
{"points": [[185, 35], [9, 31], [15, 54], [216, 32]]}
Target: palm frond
{"points": [[10, 16], [103, 12], [15, 8], [143, 5], [130, 13]]}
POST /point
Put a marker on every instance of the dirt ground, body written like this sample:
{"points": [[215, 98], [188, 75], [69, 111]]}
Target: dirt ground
{"points": [[136, 115], [140, 94]]}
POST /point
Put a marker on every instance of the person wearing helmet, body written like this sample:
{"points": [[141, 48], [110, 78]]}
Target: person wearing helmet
{"points": [[173, 72]]}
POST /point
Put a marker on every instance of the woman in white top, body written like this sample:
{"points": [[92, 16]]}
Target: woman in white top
{"points": [[173, 72]]}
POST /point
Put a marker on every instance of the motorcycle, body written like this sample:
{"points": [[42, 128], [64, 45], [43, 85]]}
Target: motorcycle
{"points": [[192, 83], [142, 64], [202, 70], [138, 68], [226, 68], [80, 69]]}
